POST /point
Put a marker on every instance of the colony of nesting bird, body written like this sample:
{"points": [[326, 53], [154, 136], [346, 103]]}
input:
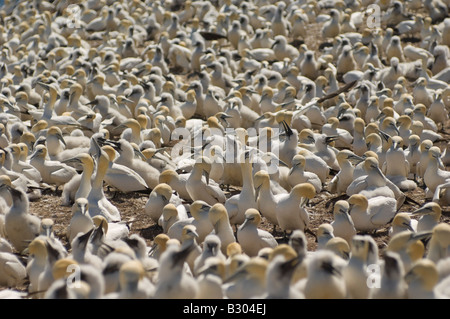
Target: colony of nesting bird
{"points": [[92, 92]]}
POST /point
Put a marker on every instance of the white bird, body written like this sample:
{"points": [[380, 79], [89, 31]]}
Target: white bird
{"points": [[98, 203], [52, 172], [173, 282], [298, 174], [438, 247], [429, 216], [291, 210], [397, 173], [392, 283], [21, 227], [331, 128], [121, 177], [189, 238], [210, 249], [355, 272], [324, 233], [251, 238], [315, 164], [13, 272], [402, 222], [199, 212], [222, 228], [248, 281], [331, 28], [340, 182], [422, 279], [279, 276], [160, 196], [81, 221], [409, 247], [325, 279], [170, 215], [371, 214], [80, 185], [210, 279], [82, 252], [201, 190], [127, 158], [36, 262], [238, 204], [133, 284], [437, 111], [374, 183], [284, 50], [434, 175], [267, 201], [342, 223], [326, 151]]}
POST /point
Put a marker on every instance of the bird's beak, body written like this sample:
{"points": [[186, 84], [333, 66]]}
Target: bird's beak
{"points": [[356, 158], [422, 211], [330, 139], [206, 174], [72, 160], [257, 189]]}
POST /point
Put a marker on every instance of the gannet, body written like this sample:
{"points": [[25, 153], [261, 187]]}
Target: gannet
{"points": [[324, 234], [80, 185], [438, 247], [12, 270], [409, 247], [198, 189], [189, 238], [265, 198], [297, 174], [127, 158], [291, 212], [170, 215], [81, 221], [211, 249], [402, 222], [36, 262], [422, 279], [429, 216], [279, 275], [250, 237], [238, 204], [98, 203], [325, 279], [21, 227], [219, 219], [160, 196], [434, 175], [52, 172], [392, 283], [342, 224], [375, 183], [371, 214], [248, 281], [173, 282], [340, 182], [332, 28]]}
